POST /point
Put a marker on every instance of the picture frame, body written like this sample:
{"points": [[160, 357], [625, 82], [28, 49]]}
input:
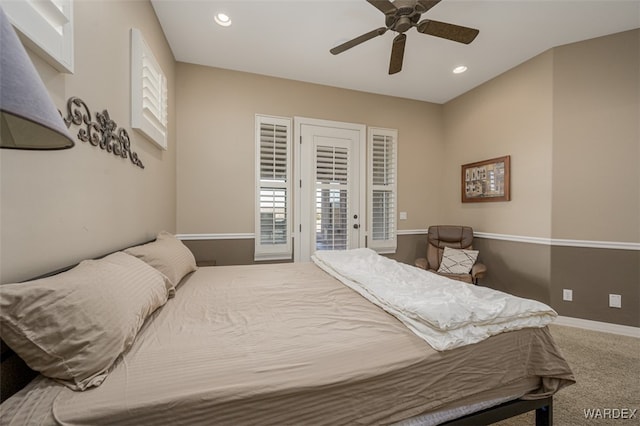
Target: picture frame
{"points": [[486, 181]]}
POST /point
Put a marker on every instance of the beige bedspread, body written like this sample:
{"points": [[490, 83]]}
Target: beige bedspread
{"points": [[288, 344]]}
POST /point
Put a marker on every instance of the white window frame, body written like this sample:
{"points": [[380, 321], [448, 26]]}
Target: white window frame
{"points": [[46, 27], [148, 92], [273, 251], [390, 244]]}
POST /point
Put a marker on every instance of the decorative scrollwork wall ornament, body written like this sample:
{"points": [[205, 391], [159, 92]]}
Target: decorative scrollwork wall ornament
{"points": [[102, 132]]}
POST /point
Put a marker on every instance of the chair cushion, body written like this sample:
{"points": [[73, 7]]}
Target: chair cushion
{"points": [[455, 261], [441, 236]]}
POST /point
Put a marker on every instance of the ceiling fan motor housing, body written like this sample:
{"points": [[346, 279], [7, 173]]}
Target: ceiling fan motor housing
{"points": [[406, 15]]}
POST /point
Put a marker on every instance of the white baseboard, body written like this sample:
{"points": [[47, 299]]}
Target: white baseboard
{"points": [[624, 330]]}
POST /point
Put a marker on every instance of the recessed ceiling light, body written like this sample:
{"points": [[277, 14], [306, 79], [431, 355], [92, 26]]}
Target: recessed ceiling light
{"points": [[459, 69], [222, 19]]}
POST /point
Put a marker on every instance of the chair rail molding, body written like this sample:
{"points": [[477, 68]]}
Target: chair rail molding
{"points": [[219, 236], [411, 232], [616, 245]]}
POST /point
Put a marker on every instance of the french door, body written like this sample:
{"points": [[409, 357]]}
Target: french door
{"points": [[330, 172]]}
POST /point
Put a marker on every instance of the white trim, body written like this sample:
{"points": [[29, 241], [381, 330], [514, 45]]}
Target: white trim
{"points": [[411, 232], [515, 238], [616, 245], [605, 327], [235, 236]]}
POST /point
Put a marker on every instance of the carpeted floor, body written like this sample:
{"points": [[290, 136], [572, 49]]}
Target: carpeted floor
{"points": [[607, 371]]}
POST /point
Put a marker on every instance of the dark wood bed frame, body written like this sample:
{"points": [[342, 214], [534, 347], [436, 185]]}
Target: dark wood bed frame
{"points": [[543, 407], [15, 375]]}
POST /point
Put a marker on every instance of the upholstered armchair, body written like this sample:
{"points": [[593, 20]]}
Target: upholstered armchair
{"points": [[450, 253]]}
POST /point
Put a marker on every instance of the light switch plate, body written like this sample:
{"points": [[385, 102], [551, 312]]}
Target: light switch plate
{"points": [[567, 295], [403, 215]]}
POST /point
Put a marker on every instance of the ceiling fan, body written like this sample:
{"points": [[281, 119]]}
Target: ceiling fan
{"points": [[400, 16]]}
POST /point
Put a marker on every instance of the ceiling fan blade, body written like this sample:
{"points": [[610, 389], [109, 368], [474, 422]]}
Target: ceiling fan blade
{"points": [[356, 41], [397, 53], [449, 31], [384, 6], [427, 4]]}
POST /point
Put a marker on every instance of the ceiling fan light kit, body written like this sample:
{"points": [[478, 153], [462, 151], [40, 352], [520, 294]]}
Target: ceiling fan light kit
{"points": [[402, 15]]}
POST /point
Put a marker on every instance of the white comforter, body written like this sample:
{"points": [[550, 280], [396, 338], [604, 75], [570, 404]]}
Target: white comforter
{"points": [[444, 312]]}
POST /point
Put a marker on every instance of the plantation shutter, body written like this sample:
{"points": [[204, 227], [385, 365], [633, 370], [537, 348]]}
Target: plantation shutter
{"points": [[48, 24], [273, 188], [382, 190], [149, 95], [332, 190], [154, 94]]}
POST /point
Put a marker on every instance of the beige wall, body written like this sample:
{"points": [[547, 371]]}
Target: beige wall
{"points": [[596, 139], [510, 115], [59, 207], [569, 118], [216, 112]]}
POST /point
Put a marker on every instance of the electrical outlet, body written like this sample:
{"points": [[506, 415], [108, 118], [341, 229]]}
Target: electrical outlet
{"points": [[403, 215], [567, 295], [615, 301]]}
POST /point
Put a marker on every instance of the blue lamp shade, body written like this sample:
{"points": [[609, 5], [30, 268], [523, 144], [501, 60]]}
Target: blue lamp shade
{"points": [[28, 117]]}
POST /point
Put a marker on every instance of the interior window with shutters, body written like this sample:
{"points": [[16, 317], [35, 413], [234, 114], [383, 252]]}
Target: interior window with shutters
{"points": [[47, 26], [382, 189], [273, 188], [148, 92]]}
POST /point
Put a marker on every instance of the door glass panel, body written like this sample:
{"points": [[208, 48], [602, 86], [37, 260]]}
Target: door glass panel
{"points": [[331, 206]]}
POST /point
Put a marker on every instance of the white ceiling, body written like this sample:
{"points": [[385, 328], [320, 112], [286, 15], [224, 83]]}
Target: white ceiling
{"points": [[291, 39]]}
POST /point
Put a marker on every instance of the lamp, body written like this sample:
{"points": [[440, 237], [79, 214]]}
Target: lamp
{"points": [[28, 117]]}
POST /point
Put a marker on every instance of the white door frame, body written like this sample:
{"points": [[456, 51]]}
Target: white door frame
{"points": [[298, 122]]}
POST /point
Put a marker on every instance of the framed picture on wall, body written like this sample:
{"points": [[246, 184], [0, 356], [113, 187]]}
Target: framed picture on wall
{"points": [[487, 180]]}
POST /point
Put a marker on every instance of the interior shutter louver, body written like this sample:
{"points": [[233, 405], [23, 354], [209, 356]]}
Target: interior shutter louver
{"points": [[382, 190], [273, 183], [332, 170], [154, 94]]}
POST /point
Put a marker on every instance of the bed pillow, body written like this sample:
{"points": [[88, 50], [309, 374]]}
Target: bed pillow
{"points": [[73, 326], [455, 261], [168, 255]]}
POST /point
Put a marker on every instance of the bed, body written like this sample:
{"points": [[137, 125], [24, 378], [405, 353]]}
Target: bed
{"points": [[278, 344]]}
